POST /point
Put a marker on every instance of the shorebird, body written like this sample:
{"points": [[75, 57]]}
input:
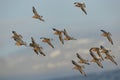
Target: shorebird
{"points": [[78, 67], [47, 40], [81, 5], [67, 37], [20, 42], [36, 15], [16, 36], [97, 50], [37, 49], [108, 56], [82, 60], [18, 39], [59, 33], [95, 59], [107, 35]]}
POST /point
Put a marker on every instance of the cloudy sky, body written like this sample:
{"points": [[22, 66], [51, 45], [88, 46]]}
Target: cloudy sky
{"points": [[17, 15]]}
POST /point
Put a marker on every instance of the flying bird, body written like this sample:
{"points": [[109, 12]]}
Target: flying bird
{"points": [[78, 67], [47, 40], [59, 33], [16, 35], [37, 49], [97, 50], [36, 15], [20, 42], [95, 59], [67, 37], [81, 5], [108, 56], [82, 60], [107, 35], [18, 38]]}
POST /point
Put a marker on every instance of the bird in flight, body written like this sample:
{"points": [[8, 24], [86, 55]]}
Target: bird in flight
{"points": [[79, 67], [67, 37], [81, 5], [95, 59], [82, 60], [47, 40], [18, 38], [59, 33], [107, 35], [36, 15], [37, 49]]}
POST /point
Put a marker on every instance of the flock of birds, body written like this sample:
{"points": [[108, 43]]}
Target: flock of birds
{"points": [[95, 52], [97, 55]]}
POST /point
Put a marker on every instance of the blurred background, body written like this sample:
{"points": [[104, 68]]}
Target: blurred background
{"points": [[21, 63]]}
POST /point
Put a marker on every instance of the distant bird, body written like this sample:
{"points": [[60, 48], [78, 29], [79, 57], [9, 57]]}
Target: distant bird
{"points": [[78, 67], [18, 39], [36, 15], [37, 49], [82, 60], [59, 33], [108, 56], [67, 37], [47, 40], [95, 59], [107, 35], [97, 50], [81, 5], [16, 35], [20, 42]]}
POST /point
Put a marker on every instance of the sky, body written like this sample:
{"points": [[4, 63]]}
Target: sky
{"points": [[17, 15]]}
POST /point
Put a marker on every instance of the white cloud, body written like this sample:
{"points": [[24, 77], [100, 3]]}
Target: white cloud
{"points": [[37, 66], [55, 53], [83, 41], [51, 65]]}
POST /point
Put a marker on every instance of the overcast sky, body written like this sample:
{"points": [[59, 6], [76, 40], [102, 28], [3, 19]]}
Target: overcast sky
{"points": [[17, 15]]}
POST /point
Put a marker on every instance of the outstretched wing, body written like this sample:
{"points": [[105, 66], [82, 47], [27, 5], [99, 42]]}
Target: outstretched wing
{"points": [[50, 44], [61, 39], [34, 10], [78, 56], [110, 39], [103, 31], [83, 9], [65, 33]]}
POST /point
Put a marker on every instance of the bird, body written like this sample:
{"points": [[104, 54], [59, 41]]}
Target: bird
{"points": [[36, 15], [97, 50], [79, 67], [82, 60], [108, 36], [67, 37], [81, 5], [37, 49], [95, 59], [108, 56], [16, 35], [47, 40], [18, 38], [59, 33], [20, 42]]}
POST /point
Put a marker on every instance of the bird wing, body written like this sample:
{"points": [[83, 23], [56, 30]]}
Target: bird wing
{"points": [[40, 18], [61, 39], [83, 9], [34, 10], [103, 31], [50, 44], [65, 33], [79, 56], [110, 39]]}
